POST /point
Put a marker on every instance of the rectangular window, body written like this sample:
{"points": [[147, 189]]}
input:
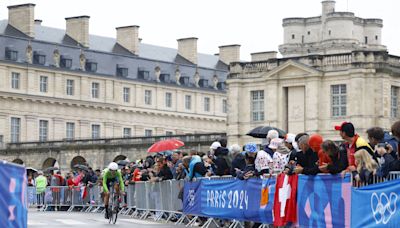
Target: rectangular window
{"points": [[15, 129], [15, 80], [366, 40], [127, 132], [168, 100], [257, 105], [70, 87], [339, 100], [376, 37], [39, 58], [43, 84], [43, 130], [394, 110], [188, 102], [147, 97], [91, 66], [148, 133], [169, 133], [127, 94], [11, 54], [95, 131], [65, 62], [95, 90], [70, 130], [224, 106], [293, 36], [206, 104]]}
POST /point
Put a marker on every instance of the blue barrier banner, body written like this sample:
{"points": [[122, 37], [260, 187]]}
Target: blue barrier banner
{"points": [[231, 199], [13, 195], [324, 201], [376, 205]]}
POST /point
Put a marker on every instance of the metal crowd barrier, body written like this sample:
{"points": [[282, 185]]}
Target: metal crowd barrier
{"points": [[160, 200]]}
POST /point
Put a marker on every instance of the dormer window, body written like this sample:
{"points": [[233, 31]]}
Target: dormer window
{"points": [[11, 54], [143, 74], [203, 83], [330, 32], [122, 71], [221, 85], [65, 62], [39, 57], [184, 80], [293, 36], [91, 66], [165, 78]]}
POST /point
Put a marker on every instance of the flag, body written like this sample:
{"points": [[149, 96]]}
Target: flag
{"points": [[83, 192], [285, 199]]}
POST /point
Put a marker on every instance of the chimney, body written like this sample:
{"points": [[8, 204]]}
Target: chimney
{"points": [[128, 37], [78, 29], [22, 17], [229, 53], [328, 6], [38, 22], [187, 48], [263, 56]]}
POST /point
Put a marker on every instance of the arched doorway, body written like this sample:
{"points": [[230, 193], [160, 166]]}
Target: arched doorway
{"points": [[50, 162], [78, 160], [18, 161], [119, 157]]}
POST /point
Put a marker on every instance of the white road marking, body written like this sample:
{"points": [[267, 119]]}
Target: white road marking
{"points": [[34, 223], [137, 221], [70, 222]]}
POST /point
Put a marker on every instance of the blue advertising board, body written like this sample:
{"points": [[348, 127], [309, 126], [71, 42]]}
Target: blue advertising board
{"points": [[13, 195]]}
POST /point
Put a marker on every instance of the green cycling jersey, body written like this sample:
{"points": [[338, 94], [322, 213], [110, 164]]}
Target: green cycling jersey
{"points": [[109, 176]]}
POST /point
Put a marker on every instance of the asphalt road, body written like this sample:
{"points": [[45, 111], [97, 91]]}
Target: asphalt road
{"points": [[86, 220]]}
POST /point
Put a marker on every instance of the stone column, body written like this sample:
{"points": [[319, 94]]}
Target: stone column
{"points": [[108, 130], [31, 129], [59, 129], [84, 129]]}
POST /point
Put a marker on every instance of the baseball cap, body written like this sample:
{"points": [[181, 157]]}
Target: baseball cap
{"points": [[289, 138], [347, 128], [215, 145]]}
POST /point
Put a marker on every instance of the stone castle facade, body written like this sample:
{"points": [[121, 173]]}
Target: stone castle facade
{"points": [[334, 69]]}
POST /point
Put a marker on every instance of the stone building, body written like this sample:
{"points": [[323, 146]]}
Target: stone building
{"points": [[334, 69], [67, 84]]}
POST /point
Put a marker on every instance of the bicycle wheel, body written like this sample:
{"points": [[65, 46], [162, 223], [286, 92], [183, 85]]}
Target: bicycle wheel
{"points": [[115, 209]]}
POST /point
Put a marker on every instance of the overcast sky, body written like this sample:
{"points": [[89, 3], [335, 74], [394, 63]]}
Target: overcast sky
{"points": [[254, 24]]}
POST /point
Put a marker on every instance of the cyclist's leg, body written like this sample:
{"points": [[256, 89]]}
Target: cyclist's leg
{"points": [[109, 183]]}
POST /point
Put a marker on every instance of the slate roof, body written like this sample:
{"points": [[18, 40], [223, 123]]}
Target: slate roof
{"points": [[107, 53]]}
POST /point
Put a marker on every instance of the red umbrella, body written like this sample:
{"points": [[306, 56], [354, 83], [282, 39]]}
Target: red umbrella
{"points": [[169, 144]]}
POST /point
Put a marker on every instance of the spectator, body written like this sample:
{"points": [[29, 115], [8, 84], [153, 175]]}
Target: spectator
{"points": [[315, 143], [281, 155], [396, 135], [164, 173], [174, 162], [354, 142], [306, 159], [366, 166], [389, 138], [41, 184], [209, 164], [389, 163], [290, 143], [238, 162], [195, 167], [338, 158], [249, 170], [220, 158], [272, 134]]}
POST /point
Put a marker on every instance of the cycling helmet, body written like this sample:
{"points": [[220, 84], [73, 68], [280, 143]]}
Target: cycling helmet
{"points": [[113, 166]]}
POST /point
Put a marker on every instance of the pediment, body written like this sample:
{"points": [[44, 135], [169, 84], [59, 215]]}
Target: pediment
{"points": [[291, 70]]}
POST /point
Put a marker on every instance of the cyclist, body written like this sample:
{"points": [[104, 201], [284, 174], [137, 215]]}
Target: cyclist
{"points": [[112, 175]]}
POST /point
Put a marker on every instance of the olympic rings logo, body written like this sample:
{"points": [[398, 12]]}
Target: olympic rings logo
{"points": [[381, 206]]}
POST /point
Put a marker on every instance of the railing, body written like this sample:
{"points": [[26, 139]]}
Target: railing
{"points": [[188, 139]]}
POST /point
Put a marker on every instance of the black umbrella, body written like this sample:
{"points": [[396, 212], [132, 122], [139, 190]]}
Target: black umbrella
{"points": [[31, 170], [262, 131], [48, 169], [83, 167], [122, 163]]}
